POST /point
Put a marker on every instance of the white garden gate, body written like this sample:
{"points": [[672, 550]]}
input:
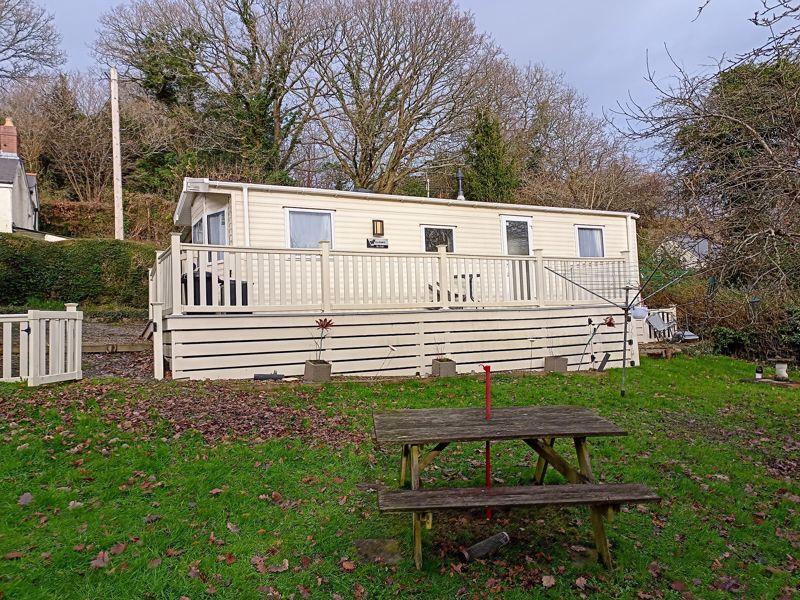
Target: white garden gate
{"points": [[42, 346]]}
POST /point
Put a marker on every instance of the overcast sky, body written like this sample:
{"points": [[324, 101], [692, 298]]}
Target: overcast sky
{"points": [[599, 45]]}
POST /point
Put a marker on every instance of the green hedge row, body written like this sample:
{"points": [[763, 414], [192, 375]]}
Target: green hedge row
{"points": [[89, 271]]}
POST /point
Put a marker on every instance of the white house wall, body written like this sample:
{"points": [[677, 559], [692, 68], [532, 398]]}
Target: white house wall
{"points": [[6, 209]]}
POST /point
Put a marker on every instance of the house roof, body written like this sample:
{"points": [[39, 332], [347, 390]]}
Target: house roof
{"points": [[192, 186], [8, 169]]}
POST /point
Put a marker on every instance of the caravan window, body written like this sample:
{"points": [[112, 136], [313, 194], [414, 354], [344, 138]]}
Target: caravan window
{"points": [[590, 242], [433, 236], [217, 232], [198, 232], [307, 228]]}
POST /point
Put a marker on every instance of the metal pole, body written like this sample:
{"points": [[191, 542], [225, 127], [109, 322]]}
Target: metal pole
{"points": [[119, 228], [487, 369], [625, 340]]}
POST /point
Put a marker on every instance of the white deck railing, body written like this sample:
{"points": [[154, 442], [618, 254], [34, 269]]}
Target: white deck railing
{"points": [[42, 346], [647, 335], [231, 279]]}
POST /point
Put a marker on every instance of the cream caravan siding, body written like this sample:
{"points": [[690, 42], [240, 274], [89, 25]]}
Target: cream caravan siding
{"points": [[477, 229]]}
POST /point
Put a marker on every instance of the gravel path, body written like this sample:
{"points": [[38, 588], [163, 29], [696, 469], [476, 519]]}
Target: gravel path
{"points": [[136, 365]]}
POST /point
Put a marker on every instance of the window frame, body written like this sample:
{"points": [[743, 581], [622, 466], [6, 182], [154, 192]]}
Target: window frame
{"points": [[504, 219], [204, 219], [224, 212], [601, 229], [202, 222], [425, 226], [287, 210]]}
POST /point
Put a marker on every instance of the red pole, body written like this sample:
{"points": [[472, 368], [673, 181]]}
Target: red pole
{"points": [[488, 449], [488, 379]]}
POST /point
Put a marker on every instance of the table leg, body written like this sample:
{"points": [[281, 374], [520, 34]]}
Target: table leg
{"points": [[596, 514], [416, 518], [541, 464], [404, 464]]}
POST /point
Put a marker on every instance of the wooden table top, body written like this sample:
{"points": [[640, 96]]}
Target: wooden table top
{"points": [[432, 426]]}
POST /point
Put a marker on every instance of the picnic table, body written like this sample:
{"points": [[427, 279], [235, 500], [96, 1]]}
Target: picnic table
{"points": [[538, 427]]}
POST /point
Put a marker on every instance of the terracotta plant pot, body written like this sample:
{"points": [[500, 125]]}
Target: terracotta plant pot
{"points": [[317, 371], [443, 367]]}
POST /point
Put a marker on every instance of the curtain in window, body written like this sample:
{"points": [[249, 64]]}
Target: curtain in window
{"points": [[217, 234], [438, 236], [590, 242], [197, 233], [308, 229], [517, 242]]}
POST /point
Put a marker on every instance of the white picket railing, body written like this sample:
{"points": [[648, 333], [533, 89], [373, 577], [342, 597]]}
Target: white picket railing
{"points": [[42, 346], [212, 279], [645, 332]]}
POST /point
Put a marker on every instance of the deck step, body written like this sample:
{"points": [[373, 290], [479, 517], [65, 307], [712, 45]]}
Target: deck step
{"points": [[498, 497]]}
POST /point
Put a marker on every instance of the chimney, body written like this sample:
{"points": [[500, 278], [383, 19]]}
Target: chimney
{"points": [[9, 138]]}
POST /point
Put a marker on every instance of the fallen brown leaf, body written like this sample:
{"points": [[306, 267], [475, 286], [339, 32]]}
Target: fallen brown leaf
{"points": [[117, 548], [101, 560]]}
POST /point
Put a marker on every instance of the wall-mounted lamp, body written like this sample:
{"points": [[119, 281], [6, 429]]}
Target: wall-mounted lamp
{"points": [[377, 228]]}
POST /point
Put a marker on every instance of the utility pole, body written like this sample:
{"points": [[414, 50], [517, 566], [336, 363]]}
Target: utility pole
{"points": [[119, 229]]}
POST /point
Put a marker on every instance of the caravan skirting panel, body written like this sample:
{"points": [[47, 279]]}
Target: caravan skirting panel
{"points": [[392, 343]]}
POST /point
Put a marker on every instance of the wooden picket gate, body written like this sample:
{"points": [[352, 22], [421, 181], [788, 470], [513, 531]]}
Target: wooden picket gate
{"points": [[42, 346]]}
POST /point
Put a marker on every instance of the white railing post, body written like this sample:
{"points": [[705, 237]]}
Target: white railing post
{"points": [[34, 352], [325, 274], [175, 246], [541, 295], [151, 290], [444, 284], [75, 361], [158, 339]]}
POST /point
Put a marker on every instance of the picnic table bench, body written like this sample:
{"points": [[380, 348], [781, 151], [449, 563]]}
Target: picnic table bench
{"points": [[538, 427]]}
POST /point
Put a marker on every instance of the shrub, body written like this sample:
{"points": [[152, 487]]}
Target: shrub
{"points": [[732, 341], [790, 330], [90, 271]]}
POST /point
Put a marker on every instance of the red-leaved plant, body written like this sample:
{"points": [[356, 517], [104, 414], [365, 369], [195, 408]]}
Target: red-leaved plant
{"points": [[324, 324]]}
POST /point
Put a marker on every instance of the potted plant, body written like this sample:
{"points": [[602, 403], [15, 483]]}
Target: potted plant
{"points": [[318, 370], [443, 367]]}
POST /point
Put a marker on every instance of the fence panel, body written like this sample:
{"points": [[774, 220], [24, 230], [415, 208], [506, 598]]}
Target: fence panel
{"points": [[42, 346]]}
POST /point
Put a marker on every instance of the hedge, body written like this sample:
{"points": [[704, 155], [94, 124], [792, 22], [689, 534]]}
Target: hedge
{"points": [[88, 271]]}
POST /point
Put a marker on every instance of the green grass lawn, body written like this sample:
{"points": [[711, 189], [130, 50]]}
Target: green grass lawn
{"points": [[252, 490]]}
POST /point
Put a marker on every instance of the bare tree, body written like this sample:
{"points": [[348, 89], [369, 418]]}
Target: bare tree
{"points": [[394, 84], [22, 101], [729, 144], [29, 41], [237, 63], [79, 135]]}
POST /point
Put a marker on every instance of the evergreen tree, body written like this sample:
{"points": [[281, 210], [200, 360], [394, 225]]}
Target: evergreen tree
{"points": [[491, 173]]}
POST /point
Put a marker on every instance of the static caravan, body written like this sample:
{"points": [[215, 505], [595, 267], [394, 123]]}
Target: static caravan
{"points": [[404, 279]]}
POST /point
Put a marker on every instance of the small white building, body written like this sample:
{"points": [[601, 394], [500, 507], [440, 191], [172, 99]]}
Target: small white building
{"points": [[19, 201], [404, 279]]}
